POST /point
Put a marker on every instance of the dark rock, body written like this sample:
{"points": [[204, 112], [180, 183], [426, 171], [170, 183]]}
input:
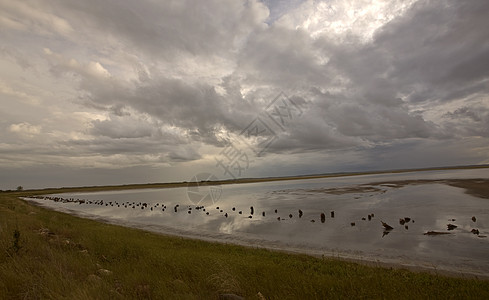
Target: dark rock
{"points": [[401, 221], [474, 219], [451, 226], [323, 217], [332, 214], [475, 231], [435, 233], [300, 213], [386, 226], [352, 223]]}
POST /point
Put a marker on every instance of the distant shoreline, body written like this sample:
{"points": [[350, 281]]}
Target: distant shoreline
{"points": [[241, 180]]}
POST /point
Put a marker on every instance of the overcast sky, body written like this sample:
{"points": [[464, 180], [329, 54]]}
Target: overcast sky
{"points": [[119, 91]]}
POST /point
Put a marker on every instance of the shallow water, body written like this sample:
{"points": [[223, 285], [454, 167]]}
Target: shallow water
{"points": [[430, 207]]}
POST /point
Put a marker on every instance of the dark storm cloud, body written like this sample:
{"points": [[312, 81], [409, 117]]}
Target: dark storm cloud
{"points": [[437, 50], [169, 29]]}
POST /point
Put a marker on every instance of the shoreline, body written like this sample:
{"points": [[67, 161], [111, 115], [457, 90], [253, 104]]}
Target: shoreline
{"points": [[238, 181]]}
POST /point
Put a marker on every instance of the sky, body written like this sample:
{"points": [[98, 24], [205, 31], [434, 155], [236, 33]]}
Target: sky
{"points": [[121, 91]]}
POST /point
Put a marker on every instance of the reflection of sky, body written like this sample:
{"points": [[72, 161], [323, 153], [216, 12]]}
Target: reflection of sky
{"points": [[429, 205]]}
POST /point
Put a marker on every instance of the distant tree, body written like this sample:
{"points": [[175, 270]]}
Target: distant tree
{"points": [[20, 188]]}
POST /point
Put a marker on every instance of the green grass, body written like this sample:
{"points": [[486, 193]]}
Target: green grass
{"points": [[50, 255]]}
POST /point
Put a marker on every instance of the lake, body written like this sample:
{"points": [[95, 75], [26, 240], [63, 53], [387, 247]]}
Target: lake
{"points": [[350, 227]]}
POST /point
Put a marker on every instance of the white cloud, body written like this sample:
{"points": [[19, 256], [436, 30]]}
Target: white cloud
{"points": [[25, 128]]}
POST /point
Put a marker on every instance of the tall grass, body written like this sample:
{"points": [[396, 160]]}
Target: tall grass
{"points": [[58, 256]]}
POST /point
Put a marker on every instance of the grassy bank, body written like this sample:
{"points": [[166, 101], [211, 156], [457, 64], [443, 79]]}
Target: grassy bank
{"points": [[46, 254]]}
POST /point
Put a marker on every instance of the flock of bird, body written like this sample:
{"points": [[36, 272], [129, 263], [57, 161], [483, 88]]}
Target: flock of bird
{"points": [[200, 208]]}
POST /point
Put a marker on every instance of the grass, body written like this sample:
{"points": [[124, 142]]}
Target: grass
{"points": [[50, 255]]}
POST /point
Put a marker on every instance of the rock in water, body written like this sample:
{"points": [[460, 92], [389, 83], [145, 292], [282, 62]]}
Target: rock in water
{"points": [[435, 233], [323, 217], [474, 219], [451, 226], [300, 213], [386, 226]]}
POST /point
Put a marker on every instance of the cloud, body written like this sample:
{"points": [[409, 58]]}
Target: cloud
{"points": [[28, 17], [113, 84], [25, 128]]}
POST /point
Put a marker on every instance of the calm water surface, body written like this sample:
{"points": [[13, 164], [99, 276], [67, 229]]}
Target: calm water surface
{"points": [[429, 206]]}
